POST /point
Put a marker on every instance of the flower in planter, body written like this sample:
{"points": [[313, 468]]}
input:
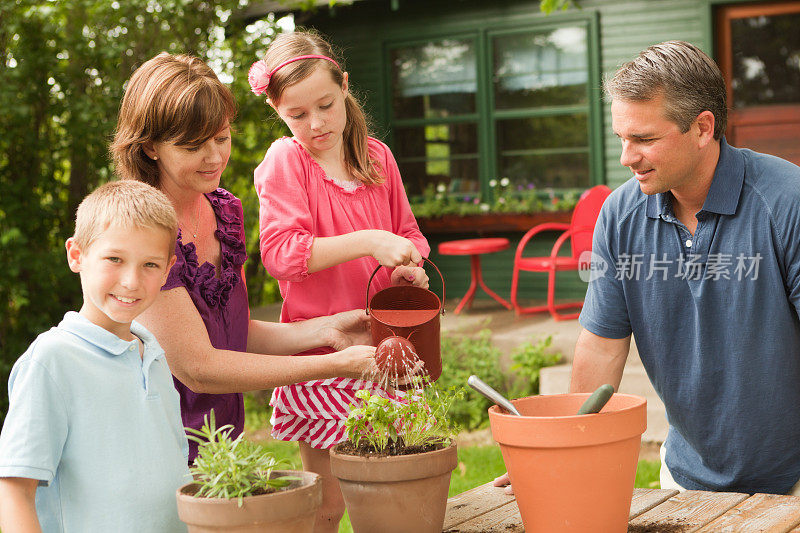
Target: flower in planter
{"points": [[232, 468], [416, 420], [506, 197]]}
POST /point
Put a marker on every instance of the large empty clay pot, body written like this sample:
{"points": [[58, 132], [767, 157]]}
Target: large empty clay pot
{"points": [[572, 473], [398, 494], [292, 509]]}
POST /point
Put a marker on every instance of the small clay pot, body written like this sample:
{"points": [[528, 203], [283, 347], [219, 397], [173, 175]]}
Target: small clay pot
{"points": [[395, 356], [292, 509], [396, 494]]}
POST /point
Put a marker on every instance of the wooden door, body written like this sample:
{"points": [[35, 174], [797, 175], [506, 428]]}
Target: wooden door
{"points": [[758, 50]]}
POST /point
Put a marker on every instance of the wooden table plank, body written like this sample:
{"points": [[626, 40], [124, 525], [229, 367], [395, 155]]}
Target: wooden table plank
{"points": [[686, 511], [505, 519], [645, 499], [474, 502], [771, 513]]}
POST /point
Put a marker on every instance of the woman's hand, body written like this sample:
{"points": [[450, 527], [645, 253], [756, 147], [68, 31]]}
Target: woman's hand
{"points": [[503, 481], [356, 362], [410, 275], [393, 250], [346, 329]]}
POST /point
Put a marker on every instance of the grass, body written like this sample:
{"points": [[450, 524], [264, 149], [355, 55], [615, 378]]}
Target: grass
{"points": [[476, 466]]}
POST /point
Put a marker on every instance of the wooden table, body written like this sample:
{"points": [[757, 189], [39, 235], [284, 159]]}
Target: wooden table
{"points": [[488, 509]]}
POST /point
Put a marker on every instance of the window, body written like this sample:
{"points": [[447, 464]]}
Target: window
{"points": [[491, 104], [434, 88]]}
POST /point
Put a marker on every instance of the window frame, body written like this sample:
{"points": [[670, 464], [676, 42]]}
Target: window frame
{"points": [[486, 116]]}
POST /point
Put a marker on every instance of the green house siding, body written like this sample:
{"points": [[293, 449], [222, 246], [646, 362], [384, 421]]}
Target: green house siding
{"points": [[618, 30]]}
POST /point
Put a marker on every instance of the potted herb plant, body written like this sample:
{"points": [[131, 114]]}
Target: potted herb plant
{"points": [[394, 469], [238, 488]]}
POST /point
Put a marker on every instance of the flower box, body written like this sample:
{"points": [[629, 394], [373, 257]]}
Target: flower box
{"points": [[490, 222]]}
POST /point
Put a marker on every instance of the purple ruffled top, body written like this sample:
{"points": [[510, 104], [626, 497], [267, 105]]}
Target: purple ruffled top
{"points": [[222, 304]]}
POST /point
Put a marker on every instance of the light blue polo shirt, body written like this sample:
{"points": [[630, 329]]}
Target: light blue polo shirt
{"points": [[99, 427], [714, 316]]}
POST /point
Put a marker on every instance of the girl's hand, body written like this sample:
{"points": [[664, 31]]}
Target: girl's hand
{"points": [[356, 362], [346, 329], [410, 275], [393, 250]]}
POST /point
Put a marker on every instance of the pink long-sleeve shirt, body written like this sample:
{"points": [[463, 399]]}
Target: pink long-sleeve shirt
{"points": [[298, 202]]}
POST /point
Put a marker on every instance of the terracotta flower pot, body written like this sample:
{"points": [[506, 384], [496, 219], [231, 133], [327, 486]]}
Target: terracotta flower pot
{"points": [[292, 509], [569, 472], [396, 494]]}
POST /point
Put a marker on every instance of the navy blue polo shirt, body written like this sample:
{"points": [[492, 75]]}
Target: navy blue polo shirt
{"points": [[714, 316]]}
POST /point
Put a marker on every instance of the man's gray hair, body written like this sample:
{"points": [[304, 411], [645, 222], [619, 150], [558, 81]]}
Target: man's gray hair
{"points": [[688, 79]]}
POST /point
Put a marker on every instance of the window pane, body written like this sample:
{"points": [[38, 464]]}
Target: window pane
{"points": [[557, 131], [445, 153], [535, 69], [437, 79], [766, 60], [553, 170]]}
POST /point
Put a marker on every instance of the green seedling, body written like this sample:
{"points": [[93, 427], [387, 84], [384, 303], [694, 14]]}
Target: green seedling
{"points": [[232, 468], [420, 419]]}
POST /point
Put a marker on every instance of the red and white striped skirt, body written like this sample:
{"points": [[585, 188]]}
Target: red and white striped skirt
{"points": [[315, 411]]}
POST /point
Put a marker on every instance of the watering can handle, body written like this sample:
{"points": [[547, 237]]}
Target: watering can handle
{"points": [[366, 307]]}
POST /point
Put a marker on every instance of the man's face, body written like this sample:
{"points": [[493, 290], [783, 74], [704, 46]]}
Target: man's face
{"points": [[659, 155]]}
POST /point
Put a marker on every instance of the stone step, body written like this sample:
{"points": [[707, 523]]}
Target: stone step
{"points": [[555, 380]]}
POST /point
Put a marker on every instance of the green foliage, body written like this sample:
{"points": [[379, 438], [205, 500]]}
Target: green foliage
{"points": [[504, 197], [231, 468], [419, 419], [463, 356], [548, 6], [648, 474], [529, 359], [64, 68]]}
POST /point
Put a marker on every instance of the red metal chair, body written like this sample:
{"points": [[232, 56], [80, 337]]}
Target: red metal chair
{"points": [[579, 231]]}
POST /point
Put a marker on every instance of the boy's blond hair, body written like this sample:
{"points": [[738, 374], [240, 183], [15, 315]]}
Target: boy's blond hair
{"points": [[127, 203]]}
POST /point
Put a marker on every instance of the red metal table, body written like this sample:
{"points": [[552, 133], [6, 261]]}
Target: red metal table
{"points": [[488, 509], [474, 248]]}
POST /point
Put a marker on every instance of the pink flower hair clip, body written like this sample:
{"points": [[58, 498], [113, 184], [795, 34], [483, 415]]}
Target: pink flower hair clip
{"points": [[259, 74], [258, 77]]}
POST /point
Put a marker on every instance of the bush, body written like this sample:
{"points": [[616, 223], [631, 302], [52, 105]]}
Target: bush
{"points": [[529, 359], [463, 356]]}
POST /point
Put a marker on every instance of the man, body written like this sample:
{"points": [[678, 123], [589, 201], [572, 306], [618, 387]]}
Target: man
{"points": [[699, 258]]}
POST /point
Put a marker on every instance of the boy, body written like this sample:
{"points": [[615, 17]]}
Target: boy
{"points": [[94, 419]]}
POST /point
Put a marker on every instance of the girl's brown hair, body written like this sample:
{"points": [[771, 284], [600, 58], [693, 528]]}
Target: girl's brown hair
{"points": [[170, 98], [288, 45]]}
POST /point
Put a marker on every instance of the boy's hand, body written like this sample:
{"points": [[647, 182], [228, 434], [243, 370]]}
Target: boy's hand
{"points": [[410, 275], [393, 250], [357, 362], [347, 329]]}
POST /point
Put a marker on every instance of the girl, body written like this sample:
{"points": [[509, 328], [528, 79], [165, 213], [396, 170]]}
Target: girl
{"points": [[332, 207], [174, 133]]}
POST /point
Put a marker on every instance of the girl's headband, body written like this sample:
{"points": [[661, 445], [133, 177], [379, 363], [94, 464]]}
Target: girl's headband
{"points": [[259, 75]]}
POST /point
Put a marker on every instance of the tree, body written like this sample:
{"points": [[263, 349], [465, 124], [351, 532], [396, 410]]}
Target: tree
{"points": [[64, 68]]}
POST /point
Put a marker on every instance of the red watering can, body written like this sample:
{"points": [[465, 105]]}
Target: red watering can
{"points": [[405, 325]]}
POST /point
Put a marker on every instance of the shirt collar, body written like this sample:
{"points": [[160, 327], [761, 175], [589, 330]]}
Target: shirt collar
{"points": [[103, 339], [724, 193]]}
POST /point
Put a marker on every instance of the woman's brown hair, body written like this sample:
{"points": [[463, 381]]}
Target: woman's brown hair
{"points": [[288, 45], [170, 98]]}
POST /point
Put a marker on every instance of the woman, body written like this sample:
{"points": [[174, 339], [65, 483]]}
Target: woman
{"points": [[174, 133]]}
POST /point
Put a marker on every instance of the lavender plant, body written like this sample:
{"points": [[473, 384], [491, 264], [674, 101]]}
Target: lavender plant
{"points": [[232, 468]]}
